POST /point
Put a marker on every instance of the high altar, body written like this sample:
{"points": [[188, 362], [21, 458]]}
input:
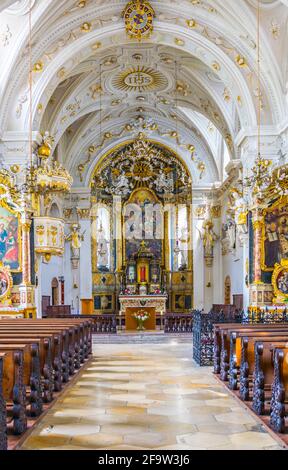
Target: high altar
{"points": [[142, 256]]}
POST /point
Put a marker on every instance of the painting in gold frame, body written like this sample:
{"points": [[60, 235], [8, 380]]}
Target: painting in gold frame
{"points": [[280, 282], [6, 284], [10, 238], [274, 235]]}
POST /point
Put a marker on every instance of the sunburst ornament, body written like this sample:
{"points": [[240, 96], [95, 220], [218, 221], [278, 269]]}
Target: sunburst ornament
{"points": [[140, 79], [139, 16]]}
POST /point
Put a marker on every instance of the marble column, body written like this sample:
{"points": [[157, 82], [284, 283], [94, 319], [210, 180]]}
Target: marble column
{"points": [[258, 227], [117, 231], [27, 291], [244, 241], [198, 266], [85, 278]]}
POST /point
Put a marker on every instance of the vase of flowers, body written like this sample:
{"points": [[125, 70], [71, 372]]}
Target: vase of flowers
{"points": [[141, 318]]}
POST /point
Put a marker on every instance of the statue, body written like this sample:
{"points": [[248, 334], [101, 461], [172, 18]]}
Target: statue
{"points": [[163, 183], [75, 239], [102, 250], [209, 238], [121, 185], [229, 236]]}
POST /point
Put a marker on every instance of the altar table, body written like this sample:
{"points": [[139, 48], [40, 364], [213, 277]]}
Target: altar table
{"points": [[131, 304]]}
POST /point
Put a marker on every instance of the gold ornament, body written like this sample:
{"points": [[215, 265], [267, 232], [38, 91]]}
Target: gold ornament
{"points": [[86, 27], [38, 67], [139, 17], [191, 23]]}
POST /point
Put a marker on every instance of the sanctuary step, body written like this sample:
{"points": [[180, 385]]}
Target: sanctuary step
{"points": [[154, 337]]}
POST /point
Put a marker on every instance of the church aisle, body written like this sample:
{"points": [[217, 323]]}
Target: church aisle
{"points": [[147, 396]]}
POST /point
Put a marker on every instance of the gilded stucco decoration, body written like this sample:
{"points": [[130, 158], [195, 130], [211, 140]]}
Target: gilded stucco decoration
{"points": [[140, 79], [149, 127], [139, 18], [141, 164]]}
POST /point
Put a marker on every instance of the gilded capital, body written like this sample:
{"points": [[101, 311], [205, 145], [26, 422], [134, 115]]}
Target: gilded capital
{"points": [[26, 226]]}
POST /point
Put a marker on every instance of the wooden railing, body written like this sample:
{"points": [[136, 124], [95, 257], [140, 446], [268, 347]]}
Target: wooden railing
{"points": [[178, 323], [58, 311], [101, 324]]}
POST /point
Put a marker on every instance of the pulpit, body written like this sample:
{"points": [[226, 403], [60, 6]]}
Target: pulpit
{"points": [[132, 304]]}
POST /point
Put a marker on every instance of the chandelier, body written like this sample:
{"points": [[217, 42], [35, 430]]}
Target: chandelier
{"points": [[261, 179]]}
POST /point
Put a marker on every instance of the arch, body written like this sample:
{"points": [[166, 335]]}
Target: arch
{"points": [[54, 211], [193, 42]]}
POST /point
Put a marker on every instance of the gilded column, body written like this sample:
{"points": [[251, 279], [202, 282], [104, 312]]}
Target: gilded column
{"points": [[258, 227], [190, 241], [118, 236], [166, 241], [93, 214], [94, 243], [26, 255], [258, 288], [27, 291]]}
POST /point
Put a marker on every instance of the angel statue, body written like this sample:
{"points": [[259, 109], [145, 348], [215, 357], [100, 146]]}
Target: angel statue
{"points": [[75, 238]]}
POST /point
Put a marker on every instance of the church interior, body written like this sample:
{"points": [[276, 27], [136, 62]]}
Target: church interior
{"points": [[143, 225]]}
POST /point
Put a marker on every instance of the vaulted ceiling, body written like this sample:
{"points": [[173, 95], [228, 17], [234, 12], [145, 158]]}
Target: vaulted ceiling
{"points": [[201, 78]]}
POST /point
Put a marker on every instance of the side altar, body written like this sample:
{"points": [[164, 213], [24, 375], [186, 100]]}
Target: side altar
{"points": [[132, 304]]}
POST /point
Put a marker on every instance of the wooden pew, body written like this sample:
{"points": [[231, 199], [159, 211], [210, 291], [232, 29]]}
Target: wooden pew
{"points": [[222, 343], [45, 356], [13, 387], [31, 374], [264, 372], [80, 344], [3, 414], [28, 351], [242, 352], [279, 389], [55, 350], [67, 351]]}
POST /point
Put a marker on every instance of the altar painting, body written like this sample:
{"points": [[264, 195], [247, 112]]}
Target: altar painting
{"points": [[143, 220], [9, 239], [275, 236]]}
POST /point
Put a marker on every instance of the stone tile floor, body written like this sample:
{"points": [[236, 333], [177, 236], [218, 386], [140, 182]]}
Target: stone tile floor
{"points": [[147, 396]]}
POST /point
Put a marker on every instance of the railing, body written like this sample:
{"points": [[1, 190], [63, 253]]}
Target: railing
{"points": [[178, 323], [265, 316], [203, 331], [104, 324], [203, 334], [101, 324], [57, 311]]}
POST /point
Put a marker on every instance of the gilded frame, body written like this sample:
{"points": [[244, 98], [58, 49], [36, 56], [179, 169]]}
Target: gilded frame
{"points": [[283, 201], [278, 269], [7, 273], [16, 214], [123, 227]]}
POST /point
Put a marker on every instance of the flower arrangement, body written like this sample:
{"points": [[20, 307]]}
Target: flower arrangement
{"points": [[141, 318]]}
